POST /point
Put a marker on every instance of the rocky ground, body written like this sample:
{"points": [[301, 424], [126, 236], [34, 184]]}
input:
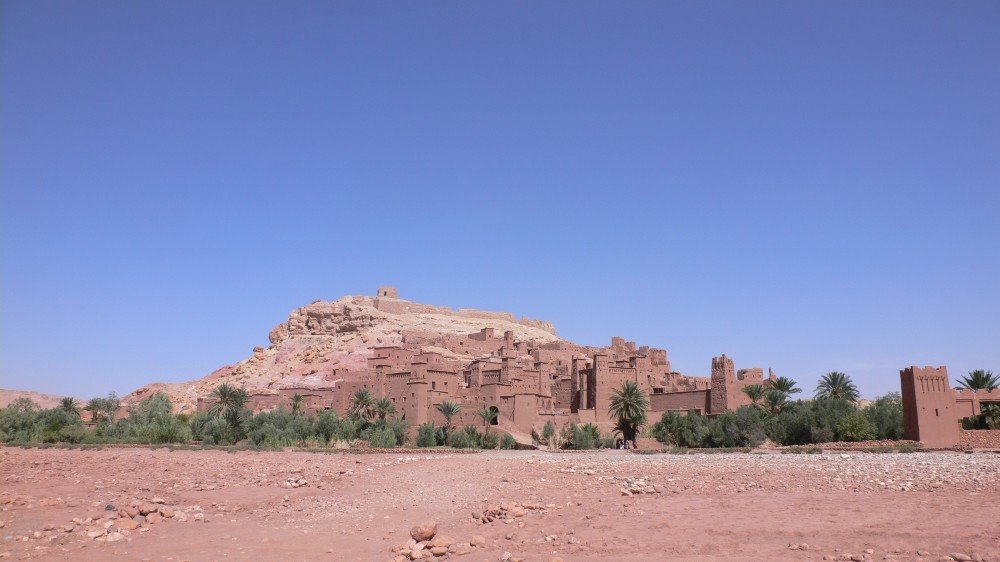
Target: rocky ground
{"points": [[141, 504]]}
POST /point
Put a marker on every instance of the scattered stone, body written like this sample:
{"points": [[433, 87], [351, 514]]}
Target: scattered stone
{"points": [[424, 531]]}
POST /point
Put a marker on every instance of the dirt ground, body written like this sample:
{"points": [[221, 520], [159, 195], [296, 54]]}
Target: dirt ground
{"points": [[78, 505]]}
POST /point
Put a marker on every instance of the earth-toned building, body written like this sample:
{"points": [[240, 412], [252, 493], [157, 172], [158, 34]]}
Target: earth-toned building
{"points": [[527, 379]]}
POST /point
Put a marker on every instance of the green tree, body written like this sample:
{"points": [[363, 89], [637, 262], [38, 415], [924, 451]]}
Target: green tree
{"points": [[785, 386], [228, 407], [297, 400], [838, 386], [384, 408], [775, 400], [488, 416], [70, 406], [886, 416], [363, 406], [448, 410], [755, 392], [103, 410], [980, 380], [628, 407], [855, 427]]}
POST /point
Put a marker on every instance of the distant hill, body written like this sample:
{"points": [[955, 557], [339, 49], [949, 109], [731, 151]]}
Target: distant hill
{"points": [[43, 400]]}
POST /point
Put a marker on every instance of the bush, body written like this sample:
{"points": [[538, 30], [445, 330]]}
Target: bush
{"points": [[489, 441], [399, 429], [382, 438], [691, 430], [327, 425], [742, 428], [580, 437], [471, 438], [808, 422], [548, 431], [429, 435], [460, 440], [508, 441], [855, 427], [216, 432], [886, 416], [280, 428]]}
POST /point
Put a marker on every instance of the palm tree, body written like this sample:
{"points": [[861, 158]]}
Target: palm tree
{"points": [[96, 408], [785, 386], [980, 380], [362, 405], [448, 410], [838, 386], [229, 403], [384, 408], [628, 406], [70, 406], [488, 416], [755, 392], [775, 400], [297, 400]]}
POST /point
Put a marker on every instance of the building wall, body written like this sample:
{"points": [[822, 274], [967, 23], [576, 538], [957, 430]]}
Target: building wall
{"points": [[979, 439], [699, 400], [930, 413]]}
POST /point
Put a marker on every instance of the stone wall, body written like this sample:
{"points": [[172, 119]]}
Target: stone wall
{"points": [[979, 438], [679, 401]]}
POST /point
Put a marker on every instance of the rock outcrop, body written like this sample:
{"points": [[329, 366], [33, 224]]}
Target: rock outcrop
{"points": [[324, 338]]}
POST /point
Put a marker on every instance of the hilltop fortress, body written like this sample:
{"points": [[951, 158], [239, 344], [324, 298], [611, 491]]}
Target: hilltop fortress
{"points": [[420, 355]]}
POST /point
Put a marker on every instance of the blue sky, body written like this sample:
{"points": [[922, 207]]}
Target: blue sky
{"points": [[806, 186]]}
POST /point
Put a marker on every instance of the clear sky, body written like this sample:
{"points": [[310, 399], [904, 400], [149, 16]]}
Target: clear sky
{"points": [[806, 186]]}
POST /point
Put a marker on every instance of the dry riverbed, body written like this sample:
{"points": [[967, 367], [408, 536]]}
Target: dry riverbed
{"points": [[142, 504]]}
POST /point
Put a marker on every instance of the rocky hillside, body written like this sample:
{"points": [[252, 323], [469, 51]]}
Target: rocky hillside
{"points": [[43, 400], [318, 338]]}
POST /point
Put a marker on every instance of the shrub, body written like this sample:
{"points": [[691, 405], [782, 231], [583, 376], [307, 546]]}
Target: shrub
{"points": [[73, 434], [472, 437], [198, 422], [216, 432], [742, 428], [855, 427], [489, 441], [428, 435], [508, 441], [548, 431], [886, 416], [807, 422], [398, 427], [460, 440], [691, 430], [382, 438], [580, 437], [327, 425]]}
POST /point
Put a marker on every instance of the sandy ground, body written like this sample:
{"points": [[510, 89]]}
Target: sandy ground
{"points": [[238, 506]]}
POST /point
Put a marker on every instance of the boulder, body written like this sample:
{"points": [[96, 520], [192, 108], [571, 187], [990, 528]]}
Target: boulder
{"points": [[126, 524], [424, 531], [441, 540]]}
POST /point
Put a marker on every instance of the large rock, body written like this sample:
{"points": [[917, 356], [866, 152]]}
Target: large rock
{"points": [[424, 531]]}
